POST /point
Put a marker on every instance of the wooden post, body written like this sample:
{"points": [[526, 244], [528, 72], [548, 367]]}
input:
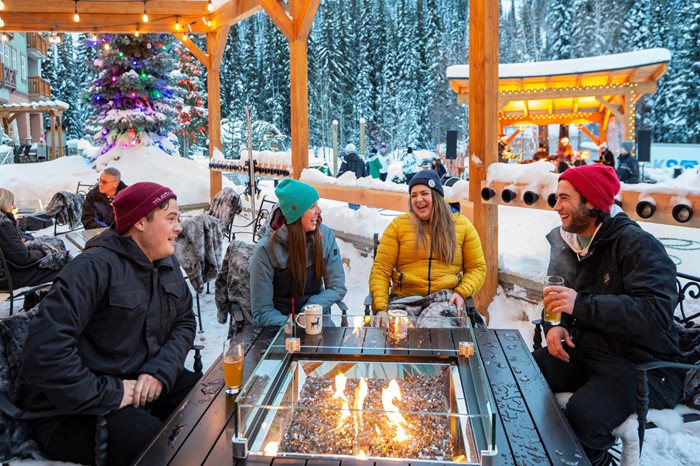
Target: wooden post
{"points": [[295, 24], [60, 137], [52, 124], [216, 41], [630, 109], [362, 138], [335, 147], [483, 133], [299, 101]]}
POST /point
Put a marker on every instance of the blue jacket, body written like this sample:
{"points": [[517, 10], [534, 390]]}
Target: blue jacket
{"points": [[270, 280]]}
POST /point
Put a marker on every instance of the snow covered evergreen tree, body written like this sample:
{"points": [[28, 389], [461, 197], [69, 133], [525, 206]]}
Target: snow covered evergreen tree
{"points": [[559, 44], [85, 54], [134, 92], [192, 114], [61, 71]]}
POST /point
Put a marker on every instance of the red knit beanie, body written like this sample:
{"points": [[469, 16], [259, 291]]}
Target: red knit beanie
{"points": [[598, 183], [136, 201]]}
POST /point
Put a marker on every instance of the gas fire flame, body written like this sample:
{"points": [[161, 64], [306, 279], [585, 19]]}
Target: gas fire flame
{"points": [[358, 322], [340, 382], [392, 411]]}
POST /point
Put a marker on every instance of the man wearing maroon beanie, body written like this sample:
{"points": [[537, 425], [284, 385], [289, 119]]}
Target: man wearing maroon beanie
{"points": [[111, 336], [617, 310]]}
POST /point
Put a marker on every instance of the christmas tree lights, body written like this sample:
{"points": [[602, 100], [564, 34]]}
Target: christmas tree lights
{"points": [[133, 92]]}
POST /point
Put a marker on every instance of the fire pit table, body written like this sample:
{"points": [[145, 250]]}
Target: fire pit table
{"points": [[362, 395]]}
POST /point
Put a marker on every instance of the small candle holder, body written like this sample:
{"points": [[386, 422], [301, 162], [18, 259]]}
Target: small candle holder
{"points": [[398, 324]]}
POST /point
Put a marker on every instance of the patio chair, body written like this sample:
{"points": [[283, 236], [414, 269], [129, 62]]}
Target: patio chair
{"points": [[66, 208], [6, 286], [225, 206]]}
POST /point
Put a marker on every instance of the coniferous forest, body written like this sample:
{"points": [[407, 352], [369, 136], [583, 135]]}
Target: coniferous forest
{"points": [[385, 61]]}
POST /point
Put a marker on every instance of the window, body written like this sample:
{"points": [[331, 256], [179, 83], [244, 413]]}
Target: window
{"points": [[23, 64], [7, 55], [14, 59]]}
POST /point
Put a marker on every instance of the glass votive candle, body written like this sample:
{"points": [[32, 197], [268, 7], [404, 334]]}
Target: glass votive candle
{"points": [[398, 324]]}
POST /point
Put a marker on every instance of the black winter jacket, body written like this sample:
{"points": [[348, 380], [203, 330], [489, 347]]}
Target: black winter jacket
{"points": [[19, 258], [97, 209], [628, 168], [626, 287], [353, 163], [111, 314]]}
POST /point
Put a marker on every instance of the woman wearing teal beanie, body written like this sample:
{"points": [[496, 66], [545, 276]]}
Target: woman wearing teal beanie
{"points": [[297, 262]]}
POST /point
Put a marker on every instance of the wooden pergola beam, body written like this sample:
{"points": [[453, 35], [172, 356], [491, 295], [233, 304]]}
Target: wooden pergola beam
{"points": [[483, 133]]}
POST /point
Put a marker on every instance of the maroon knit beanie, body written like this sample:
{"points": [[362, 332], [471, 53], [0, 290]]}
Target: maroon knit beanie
{"points": [[598, 183], [136, 201]]}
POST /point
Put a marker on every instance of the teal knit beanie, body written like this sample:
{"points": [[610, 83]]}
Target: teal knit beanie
{"points": [[295, 198]]}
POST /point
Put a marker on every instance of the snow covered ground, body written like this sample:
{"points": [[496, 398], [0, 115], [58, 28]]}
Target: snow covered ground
{"points": [[523, 251]]}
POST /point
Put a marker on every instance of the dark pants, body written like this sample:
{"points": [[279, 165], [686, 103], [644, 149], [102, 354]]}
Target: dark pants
{"points": [[32, 276], [604, 393], [129, 430], [382, 176]]}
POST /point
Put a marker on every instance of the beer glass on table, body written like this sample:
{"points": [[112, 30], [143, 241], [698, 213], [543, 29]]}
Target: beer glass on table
{"points": [[233, 366]]}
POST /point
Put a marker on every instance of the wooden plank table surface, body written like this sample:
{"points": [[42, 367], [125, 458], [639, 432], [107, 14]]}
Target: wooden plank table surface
{"points": [[81, 237], [530, 426]]}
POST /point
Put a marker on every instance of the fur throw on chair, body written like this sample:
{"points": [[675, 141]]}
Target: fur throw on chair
{"points": [[14, 435], [198, 249], [432, 311], [55, 254], [233, 282], [690, 346], [225, 206], [67, 208]]}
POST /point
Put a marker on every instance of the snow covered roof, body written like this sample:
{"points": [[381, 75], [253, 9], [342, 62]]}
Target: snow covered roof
{"points": [[40, 106], [603, 63], [573, 91]]}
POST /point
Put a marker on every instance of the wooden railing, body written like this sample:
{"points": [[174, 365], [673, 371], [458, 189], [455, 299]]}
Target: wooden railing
{"points": [[39, 86], [37, 42]]}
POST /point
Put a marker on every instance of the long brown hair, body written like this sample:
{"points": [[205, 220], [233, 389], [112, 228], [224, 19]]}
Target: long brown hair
{"points": [[296, 246], [443, 235]]}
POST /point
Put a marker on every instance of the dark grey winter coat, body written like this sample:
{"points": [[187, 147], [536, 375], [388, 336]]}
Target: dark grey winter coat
{"points": [[353, 163], [111, 314], [626, 288], [97, 209]]}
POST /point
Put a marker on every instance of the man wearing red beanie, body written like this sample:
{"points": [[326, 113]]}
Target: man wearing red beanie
{"points": [[617, 307], [112, 335]]}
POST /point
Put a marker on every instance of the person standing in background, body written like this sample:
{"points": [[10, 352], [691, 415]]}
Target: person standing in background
{"points": [[384, 158], [606, 155]]}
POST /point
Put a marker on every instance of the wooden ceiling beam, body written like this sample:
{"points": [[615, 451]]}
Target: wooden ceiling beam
{"points": [[277, 11], [303, 12], [235, 12], [194, 50]]}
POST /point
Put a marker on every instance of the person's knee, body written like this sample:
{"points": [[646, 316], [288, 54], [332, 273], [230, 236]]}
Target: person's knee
{"points": [[593, 427]]}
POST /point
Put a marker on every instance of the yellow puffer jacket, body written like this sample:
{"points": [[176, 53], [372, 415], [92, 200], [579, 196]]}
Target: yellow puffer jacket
{"points": [[409, 270]]}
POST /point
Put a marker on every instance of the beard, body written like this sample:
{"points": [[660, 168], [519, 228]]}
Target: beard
{"points": [[579, 220]]}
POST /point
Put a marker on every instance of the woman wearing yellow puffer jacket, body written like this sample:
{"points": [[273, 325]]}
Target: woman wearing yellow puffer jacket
{"points": [[426, 250]]}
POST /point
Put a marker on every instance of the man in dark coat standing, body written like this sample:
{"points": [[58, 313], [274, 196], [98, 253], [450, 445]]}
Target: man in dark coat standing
{"points": [[352, 163], [617, 307], [97, 209], [627, 164], [112, 335]]}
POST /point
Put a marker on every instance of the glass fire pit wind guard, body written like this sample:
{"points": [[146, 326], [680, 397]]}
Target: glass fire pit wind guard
{"points": [[340, 397]]}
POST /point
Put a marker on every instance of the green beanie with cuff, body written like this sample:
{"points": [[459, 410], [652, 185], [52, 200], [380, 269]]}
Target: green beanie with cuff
{"points": [[295, 198]]}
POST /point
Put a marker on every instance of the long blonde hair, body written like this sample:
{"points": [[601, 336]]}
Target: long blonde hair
{"points": [[7, 200], [443, 234]]}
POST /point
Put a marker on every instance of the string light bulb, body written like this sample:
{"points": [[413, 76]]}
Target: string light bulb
{"points": [[76, 16], [145, 13], [2, 23], [106, 46], [57, 39], [184, 37], [177, 23], [93, 37], [136, 33], [2, 5], [4, 37], [210, 6]]}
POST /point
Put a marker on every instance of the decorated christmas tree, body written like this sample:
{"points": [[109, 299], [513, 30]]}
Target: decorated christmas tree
{"points": [[192, 112], [133, 94]]}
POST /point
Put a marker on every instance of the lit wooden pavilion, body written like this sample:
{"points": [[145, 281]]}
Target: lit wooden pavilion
{"points": [[577, 91], [9, 112]]}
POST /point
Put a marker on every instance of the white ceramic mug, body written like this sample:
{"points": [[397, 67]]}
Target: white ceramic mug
{"points": [[311, 318]]}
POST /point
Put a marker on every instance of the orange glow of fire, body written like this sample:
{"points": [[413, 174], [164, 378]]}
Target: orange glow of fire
{"points": [[361, 455], [392, 411], [340, 382], [271, 448], [358, 322]]}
